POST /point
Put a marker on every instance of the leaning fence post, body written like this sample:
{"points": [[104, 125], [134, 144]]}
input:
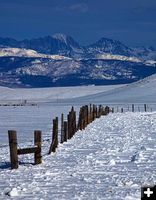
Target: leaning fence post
{"points": [[13, 149], [37, 142]]}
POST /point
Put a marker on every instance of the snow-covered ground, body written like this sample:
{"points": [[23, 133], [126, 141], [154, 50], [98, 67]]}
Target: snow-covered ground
{"points": [[53, 93], [143, 91], [111, 159]]}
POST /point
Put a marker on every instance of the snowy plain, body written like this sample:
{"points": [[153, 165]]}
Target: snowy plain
{"points": [[111, 159]]}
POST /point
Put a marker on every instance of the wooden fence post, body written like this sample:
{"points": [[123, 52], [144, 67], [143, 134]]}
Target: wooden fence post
{"points": [[132, 107], [13, 149], [54, 143], [82, 119], [56, 132], [69, 125], [94, 112], [62, 128], [74, 122], [107, 110], [37, 142], [145, 107], [86, 115], [65, 132], [79, 120], [91, 113]]}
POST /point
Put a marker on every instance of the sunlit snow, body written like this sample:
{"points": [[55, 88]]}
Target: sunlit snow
{"points": [[110, 160]]}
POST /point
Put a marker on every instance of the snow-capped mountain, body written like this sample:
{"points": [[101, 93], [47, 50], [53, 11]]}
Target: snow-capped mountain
{"points": [[59, 60], [57, 44], [66, 46], [113, 47], [20, 52], [110, 46]]}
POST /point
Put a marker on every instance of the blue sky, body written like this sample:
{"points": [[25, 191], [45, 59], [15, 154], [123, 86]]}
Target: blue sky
{"points": [[130, 21]]}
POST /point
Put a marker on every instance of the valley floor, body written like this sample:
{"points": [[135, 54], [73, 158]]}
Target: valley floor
{"points": [[111, 159]]}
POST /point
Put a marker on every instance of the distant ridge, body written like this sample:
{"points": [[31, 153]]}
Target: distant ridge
{"points": [[65, 45], [59, 60]]}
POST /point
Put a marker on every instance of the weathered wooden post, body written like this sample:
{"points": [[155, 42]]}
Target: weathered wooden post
{"points": [[96, 112], [132, 107], [107, 109], [38, 143], [86, 115], [91, 113], [79, 120], [69, 125], [121, 110], [13, 149], [56, 132], [74, 122], [100, 111], [54, 143], [65, 131], [82, 119], [145, 107], [62, 128]]}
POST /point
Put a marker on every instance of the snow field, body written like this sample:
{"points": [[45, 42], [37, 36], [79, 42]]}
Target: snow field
{"points": [[50, 94], [111, 159]]}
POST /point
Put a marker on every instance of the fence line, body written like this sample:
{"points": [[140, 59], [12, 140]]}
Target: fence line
{"points": [[87, 114]]}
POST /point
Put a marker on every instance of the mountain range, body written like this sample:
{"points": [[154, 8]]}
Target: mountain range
{"points": [[59, 60]]}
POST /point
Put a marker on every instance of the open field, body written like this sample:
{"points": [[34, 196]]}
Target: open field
{"points": [[110, 159]]}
